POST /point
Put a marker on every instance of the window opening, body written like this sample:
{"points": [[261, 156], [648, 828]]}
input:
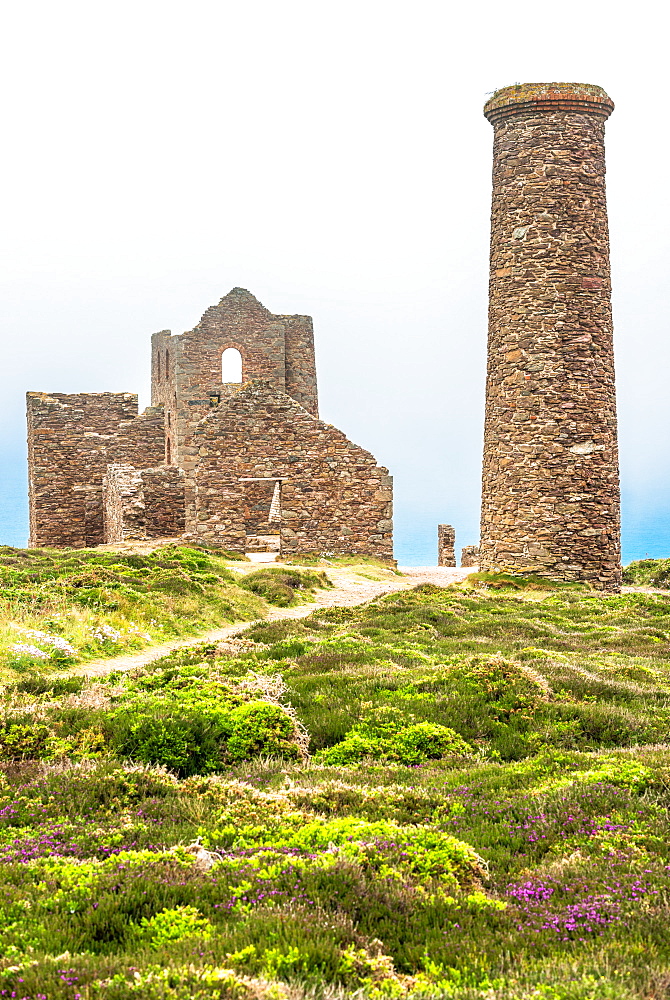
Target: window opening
{"points": [[168, 452], [167, 365], [158, 363], [231, 365]]}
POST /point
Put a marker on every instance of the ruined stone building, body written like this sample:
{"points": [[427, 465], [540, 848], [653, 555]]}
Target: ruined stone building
{"points": [[550, 492], [231, 452]]}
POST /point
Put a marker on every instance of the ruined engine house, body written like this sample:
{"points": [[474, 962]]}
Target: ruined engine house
{"points": [[231, 452]]}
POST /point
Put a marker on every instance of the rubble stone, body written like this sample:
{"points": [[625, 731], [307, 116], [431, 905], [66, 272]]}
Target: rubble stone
{"points": [[446, 539], [469, 556], [71, 441]]}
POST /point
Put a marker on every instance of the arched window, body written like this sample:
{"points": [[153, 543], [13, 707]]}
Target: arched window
{"points": [[168, 452], [167, 365], [231, 365]]}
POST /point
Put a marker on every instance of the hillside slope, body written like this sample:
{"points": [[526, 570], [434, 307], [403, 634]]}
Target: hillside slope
{"points": [[452, 792]]}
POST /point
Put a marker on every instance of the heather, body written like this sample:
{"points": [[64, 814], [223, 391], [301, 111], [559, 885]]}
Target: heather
{"points": [[452, 792]]}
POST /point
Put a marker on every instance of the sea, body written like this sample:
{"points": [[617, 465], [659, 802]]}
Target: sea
{"points": [[645, 523]]}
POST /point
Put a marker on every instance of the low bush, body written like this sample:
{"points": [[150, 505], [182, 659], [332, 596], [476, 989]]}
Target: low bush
{"points": [[184, 717], [170, 926], [385, 735], [648, 573], [284, 587]]}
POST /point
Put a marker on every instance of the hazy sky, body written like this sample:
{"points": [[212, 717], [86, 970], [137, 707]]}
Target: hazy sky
{"points": [[333, 159]]}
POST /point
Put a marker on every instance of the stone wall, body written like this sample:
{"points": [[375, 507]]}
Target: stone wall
{"points": [[446, 539], [124, 516], [142, 503], [550, 491], [469, 556], [71, 441], [334, 496], [164, 501], [186, 369]]}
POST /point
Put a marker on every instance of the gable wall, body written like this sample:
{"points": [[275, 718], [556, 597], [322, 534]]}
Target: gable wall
{"points": [[334, 496]]}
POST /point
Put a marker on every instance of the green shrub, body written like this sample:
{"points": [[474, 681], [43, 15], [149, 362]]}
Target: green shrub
{"points": [[629, 774], [25, 740], [280, 586], [186, 743], [193, 724], [178, 924], [413, 744], [261, 728], [649, 573], [351, 750], [200, 741], [427, 741]]}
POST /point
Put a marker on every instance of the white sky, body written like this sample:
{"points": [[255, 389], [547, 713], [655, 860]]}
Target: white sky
{"points": [[334, 160]]}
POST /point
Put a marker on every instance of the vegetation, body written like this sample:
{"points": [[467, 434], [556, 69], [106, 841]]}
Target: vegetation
{"points": [[319, 559], [648, 573], [285, 587], [455, 793], [59, 607]]}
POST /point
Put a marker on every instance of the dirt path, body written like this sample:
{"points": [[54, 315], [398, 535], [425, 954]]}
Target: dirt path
{"points": [[352, 587]]}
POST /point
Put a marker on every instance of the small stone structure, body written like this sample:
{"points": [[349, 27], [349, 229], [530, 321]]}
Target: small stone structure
{"points": [[446, 539], [245, 465], [71, 441], [142, 503], [550, 489], [469, 556]]}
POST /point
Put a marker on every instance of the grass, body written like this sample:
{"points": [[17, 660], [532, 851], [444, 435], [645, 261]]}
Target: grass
{"points": [[285, 587], [448, 792], [319, 559], [59, 607]]}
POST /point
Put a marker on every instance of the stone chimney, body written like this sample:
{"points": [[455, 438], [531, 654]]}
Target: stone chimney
{"points": [[550, 489]]}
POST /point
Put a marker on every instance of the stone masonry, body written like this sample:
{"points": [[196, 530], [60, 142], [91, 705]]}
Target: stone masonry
{"points": [[334, 496], [186, 369], [247, 466], [469, 556], [446, 539], [142, 503], [71, 441], [550, 490]]}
